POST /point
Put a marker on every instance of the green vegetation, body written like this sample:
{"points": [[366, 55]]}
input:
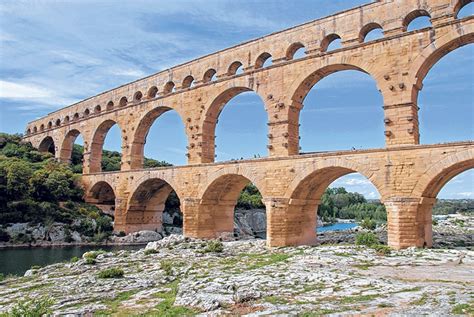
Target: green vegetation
{"points": [[463, 309], [34, 188], [368, 224], [150, 251], [167, 266], [32, 307], [366, 238], [214, 246], [452, 206], [166, 306], [113, 272], [250, 198]]}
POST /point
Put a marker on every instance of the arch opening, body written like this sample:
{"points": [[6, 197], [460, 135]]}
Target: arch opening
{"points": [[58, 122], [333, 193], [102, 195], [137, 97], [154, 206], [72, 150], [152, 92], [447, 97], [107, 135], [47, 145], [235, 209], [224, 131], [97, 109], [417, 20], [160, 140], [209, 75], [330, 43], [169, 88], [123, 102], [371, 32], [188, 82], [236, 68], [264, 60], [345, 97], [87, 112], [110, 105], [295, 51], [464, 9]]}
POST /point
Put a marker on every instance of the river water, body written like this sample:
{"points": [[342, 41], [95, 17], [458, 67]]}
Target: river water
{"points": [[18, 260]]}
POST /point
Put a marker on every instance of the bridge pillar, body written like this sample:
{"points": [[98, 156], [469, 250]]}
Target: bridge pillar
{"points": [[401, 124], [409, 222], [291, 221]]}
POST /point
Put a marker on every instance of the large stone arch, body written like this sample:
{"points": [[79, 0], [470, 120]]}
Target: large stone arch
{"points": [[146, 205], [67, 145], [457, 37], [300, 88], [139, 137], [218, 201], [212, 112], [102, 195], [48, 144], [97, 144], [437, 175]]}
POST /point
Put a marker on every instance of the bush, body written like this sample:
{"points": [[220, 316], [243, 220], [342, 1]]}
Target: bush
{"points": [[74, 259], [32, 307], [150, 251], [368, 224], [167, 266], [215, 246], [382, 249], [367, 238], [111, 273]]}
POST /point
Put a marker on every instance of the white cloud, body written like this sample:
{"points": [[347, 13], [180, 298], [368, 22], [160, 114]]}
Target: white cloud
{"points": [[32, 93], [466, 194]]}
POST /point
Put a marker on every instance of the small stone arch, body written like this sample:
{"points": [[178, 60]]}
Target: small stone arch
{"points": [[328, 40], [169, 88], [87, 112], [208, 75], [97, 109], [152, 92], [28, 131], [410, 17], [459, 5], [123, 102], [42, 127], [261, 59], [58, 122], [367, 29], [110, 105], [75, 117], [137, 97], [187, 82], [35, 129], [233, 68], [292, 49], [50, 125], [66, 119]]}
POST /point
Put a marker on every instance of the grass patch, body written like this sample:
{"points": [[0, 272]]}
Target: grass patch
{"points": [[463, 309], [420, 301], [114, 304], [269, 260], [113, 272], [166, 307], [167, 266], [32, 307], [275, 300], [213, 246], [317, 313], [358, 298], [150, 251]]}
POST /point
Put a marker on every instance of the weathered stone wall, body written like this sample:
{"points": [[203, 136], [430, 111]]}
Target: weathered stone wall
{"points": [[408, 176]]}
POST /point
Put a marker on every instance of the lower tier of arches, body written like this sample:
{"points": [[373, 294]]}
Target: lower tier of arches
{"points": [[407, 179]]}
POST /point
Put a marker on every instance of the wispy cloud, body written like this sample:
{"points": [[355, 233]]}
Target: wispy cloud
{"points": [[32, 93]]}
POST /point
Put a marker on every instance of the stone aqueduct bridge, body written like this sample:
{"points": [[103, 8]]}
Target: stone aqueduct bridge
{"points": [[407, 175]]}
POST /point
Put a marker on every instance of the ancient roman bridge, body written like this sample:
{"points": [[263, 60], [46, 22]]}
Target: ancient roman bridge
{"points": [[407, 175]]}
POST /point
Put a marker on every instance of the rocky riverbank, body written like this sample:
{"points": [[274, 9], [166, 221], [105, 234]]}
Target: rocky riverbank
{"points": [[186, 277]]}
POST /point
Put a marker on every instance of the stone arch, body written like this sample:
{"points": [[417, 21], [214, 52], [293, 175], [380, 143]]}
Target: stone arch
{"points": [[35, 129], [367, 29], [211, 117], [47, 145], [187, 82], [169, 87], [57, 123], [75, 117], [103, 196], [123, 102], [87, 112], [141, 133], [459, 5], [328, 40], [410, 17], [110, 105], [68, 145], [233, 68], [137, 97], [28, 131], [97, 109], [436, 176], [66, 119], [97, 144], [152, 92], [146, 205], [435, 52], [292, 49], [50, 125], [261, 59], [208, 75], [218, 202], [42, 127]]}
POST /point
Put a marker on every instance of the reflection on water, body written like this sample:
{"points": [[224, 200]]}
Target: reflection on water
{"points": [[19, 260]]}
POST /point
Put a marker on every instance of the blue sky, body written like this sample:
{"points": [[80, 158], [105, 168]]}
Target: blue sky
{"points": [[54, 53]]}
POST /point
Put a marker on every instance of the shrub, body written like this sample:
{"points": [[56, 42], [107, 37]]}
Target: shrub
{"points": [[74, 259], [368, 224], [215, 246], [32, 307], [435, 222], [121, 234], [382, 249], [111, 273], [150, 251], [366, 238], [167, 266]]}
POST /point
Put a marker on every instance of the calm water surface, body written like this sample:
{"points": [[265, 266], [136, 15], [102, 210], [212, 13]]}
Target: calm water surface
{"points": [[19, 260], [337, 226]]}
